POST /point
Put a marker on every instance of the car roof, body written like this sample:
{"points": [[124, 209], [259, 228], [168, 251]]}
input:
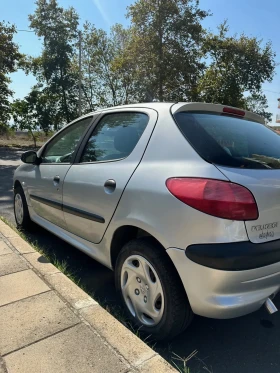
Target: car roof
{"points": [[150, 105], [181, 106]]}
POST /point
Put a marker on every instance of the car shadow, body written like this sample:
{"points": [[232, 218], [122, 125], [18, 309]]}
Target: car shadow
{"points": [[96, 279], [6, 191], [248, 344]]}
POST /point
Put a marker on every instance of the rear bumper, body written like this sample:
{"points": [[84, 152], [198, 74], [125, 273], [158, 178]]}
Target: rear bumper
{"points": [[235, 256], [225, 293]]}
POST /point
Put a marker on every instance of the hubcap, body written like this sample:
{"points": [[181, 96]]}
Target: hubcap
{"points": [[18, 208], [142, 290]]}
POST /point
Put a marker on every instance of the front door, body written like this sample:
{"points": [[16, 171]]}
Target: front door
{"points": [[93, 187], [45, 181]]}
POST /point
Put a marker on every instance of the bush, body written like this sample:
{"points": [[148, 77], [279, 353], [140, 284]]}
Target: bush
{"points": [[5, 130]]}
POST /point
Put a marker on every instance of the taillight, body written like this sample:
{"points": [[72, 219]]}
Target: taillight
{"points": [[214, 197], [232, 111]]}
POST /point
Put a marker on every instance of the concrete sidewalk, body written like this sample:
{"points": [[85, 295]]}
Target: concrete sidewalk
{"points": [[49, 325]]}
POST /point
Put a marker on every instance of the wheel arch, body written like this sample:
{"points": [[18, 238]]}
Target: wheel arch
{"points": [[124, 234], [17, 184]]}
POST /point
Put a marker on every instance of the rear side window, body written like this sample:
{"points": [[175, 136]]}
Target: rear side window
{"points": [[230, 141], [115, 137]]}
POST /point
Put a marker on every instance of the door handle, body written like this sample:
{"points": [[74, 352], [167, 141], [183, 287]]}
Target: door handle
{"points": [[56, 180], [110, 186]]}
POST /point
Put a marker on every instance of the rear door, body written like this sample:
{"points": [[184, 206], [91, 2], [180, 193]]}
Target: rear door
{"points": [[247, 153], [94, 184]]}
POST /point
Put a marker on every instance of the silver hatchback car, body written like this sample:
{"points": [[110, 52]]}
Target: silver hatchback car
{"points": [[181, 200]]}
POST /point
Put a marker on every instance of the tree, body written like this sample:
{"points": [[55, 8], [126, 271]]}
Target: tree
{"points": [[166, 47], [107, 81], [10, 58], [37, 111], [54, 68], [257, 103], [45, 107], [24, 118], [238, 64]]}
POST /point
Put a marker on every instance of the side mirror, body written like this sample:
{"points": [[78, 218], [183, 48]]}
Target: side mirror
{"points": [[30, 157]]}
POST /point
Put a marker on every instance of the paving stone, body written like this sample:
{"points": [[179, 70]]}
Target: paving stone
{"points": [[11, 263], [122, 339], [20, 285], [31, 319], [76, 350], [4, 248], [70, 291], [7, 231], [21, 245], [41, 263]]}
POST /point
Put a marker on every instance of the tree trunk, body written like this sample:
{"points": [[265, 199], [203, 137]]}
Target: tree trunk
{"points": [[65, 105], [66, 111], [33, 137]]}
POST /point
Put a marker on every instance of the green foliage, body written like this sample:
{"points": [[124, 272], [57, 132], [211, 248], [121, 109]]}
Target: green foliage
{"points": [[5, 130], [24, 118], [54, 68], [257, 103], [165, 48], [9, 60], [164, 55], [45, 108], [238, 64], [106, 81], [38, 110]]}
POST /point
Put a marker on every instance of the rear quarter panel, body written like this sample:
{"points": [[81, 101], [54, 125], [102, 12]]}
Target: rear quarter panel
{"points": [[147, 203]]}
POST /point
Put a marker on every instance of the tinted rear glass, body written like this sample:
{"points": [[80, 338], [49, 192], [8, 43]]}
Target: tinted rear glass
{"points": [[230, 141]]}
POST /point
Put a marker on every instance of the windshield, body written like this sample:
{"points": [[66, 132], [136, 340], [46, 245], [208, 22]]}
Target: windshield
{"points": [[230, 141]]}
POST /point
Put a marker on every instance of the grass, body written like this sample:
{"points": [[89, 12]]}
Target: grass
{"points": [[62, 265], [181, 364]]}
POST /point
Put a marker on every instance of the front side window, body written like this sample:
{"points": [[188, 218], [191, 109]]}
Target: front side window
{"points": [[230, 141], [115, 137], [61, 149]]}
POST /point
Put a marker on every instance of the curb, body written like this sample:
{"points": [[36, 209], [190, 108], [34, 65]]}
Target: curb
{"points": [[139, 356]]}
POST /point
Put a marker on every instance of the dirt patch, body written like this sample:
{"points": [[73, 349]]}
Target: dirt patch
{"points": [[21, 141]]}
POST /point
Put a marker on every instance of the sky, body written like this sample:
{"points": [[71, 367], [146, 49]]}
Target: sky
{"points": [[253, 17]]}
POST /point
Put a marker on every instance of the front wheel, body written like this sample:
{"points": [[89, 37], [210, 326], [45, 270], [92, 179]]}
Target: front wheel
{"points": [[151, 290], [21, 210]]}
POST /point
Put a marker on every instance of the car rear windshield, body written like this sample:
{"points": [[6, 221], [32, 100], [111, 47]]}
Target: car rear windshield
{"points": [[230, 141]]}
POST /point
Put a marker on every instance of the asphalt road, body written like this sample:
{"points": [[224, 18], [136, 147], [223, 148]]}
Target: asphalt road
{"points": [[249, 344]]}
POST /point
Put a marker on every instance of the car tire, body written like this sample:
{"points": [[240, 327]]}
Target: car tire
{"points": [[153, 276], [21, 211]]}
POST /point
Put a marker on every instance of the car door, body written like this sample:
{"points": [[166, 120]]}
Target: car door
{"points": [[94, 184], [44, 182]]}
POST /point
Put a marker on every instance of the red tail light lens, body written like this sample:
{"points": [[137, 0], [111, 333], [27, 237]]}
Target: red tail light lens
{"points": [[232, 111], [214, 197]]}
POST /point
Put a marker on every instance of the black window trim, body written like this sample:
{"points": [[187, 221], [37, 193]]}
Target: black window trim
{"points": [[78, 156], [93, 117]]}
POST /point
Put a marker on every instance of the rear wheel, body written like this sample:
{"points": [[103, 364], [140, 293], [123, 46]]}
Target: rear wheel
{"points": [[151, 290], [21, 210]]}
